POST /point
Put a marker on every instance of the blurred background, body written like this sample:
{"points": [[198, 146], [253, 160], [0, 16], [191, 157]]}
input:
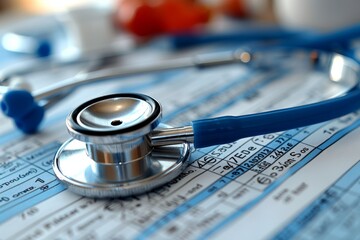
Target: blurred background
{"points": [[89, 26], [42, 6], [320, 14], [63, 38]]}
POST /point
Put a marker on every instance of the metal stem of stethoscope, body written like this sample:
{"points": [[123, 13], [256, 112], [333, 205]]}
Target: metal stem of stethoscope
{"points": [[21, 105], [200, 61], [112, 153], [119, 148], [174, 135]]}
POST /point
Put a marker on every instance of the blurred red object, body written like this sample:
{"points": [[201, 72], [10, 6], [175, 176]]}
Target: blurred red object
{"points": [[234, 8], [146, 18]]}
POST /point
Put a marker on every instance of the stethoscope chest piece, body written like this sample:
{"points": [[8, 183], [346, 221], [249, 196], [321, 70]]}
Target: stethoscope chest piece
{"points": [[111, 154]]}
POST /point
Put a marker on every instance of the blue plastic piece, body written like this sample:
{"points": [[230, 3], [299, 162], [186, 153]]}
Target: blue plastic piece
{"points": [[338, 41], [235, 36], [44, 49], [31, 121], [17, 103], [208, 132], [35, 46], [20, 105]]}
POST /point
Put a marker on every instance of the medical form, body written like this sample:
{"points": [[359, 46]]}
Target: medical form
{"points": [[302, 183]]}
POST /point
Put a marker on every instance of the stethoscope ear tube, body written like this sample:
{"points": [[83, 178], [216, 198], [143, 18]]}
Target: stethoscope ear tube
{"points": [[206, 131], [25, 111], [119, 149]]}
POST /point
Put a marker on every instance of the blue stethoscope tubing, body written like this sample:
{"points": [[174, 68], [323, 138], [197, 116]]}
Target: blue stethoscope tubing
{"points": [[27, 113], [232, 128], [255, 36], [339, 40], [206, 131]]}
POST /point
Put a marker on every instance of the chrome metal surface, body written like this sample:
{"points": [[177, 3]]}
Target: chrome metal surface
{"points": [[114, 114], [118, 151], [342, 70], [85, 177], [168, 136], [202, 60], [114, 129], [115, 118], [112, 154]]}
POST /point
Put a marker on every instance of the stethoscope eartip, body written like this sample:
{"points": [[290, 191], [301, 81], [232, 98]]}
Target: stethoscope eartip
{"points": [[30, 122], [44, 49], [22, 108]]}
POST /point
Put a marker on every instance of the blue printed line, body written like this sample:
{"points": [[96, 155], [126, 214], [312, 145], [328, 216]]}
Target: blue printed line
{"points": [[10, 136], [208, 192], [267, 191], [27, 204], [221, 91], [282, 179], [320, 205], [42, 190], [201, 100], [324, 202], [16, 206], [262, 84], [349, 178], [16, 201]]}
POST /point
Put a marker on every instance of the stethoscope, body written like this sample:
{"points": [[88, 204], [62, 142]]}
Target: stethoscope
{"points": [[119, 146]]}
